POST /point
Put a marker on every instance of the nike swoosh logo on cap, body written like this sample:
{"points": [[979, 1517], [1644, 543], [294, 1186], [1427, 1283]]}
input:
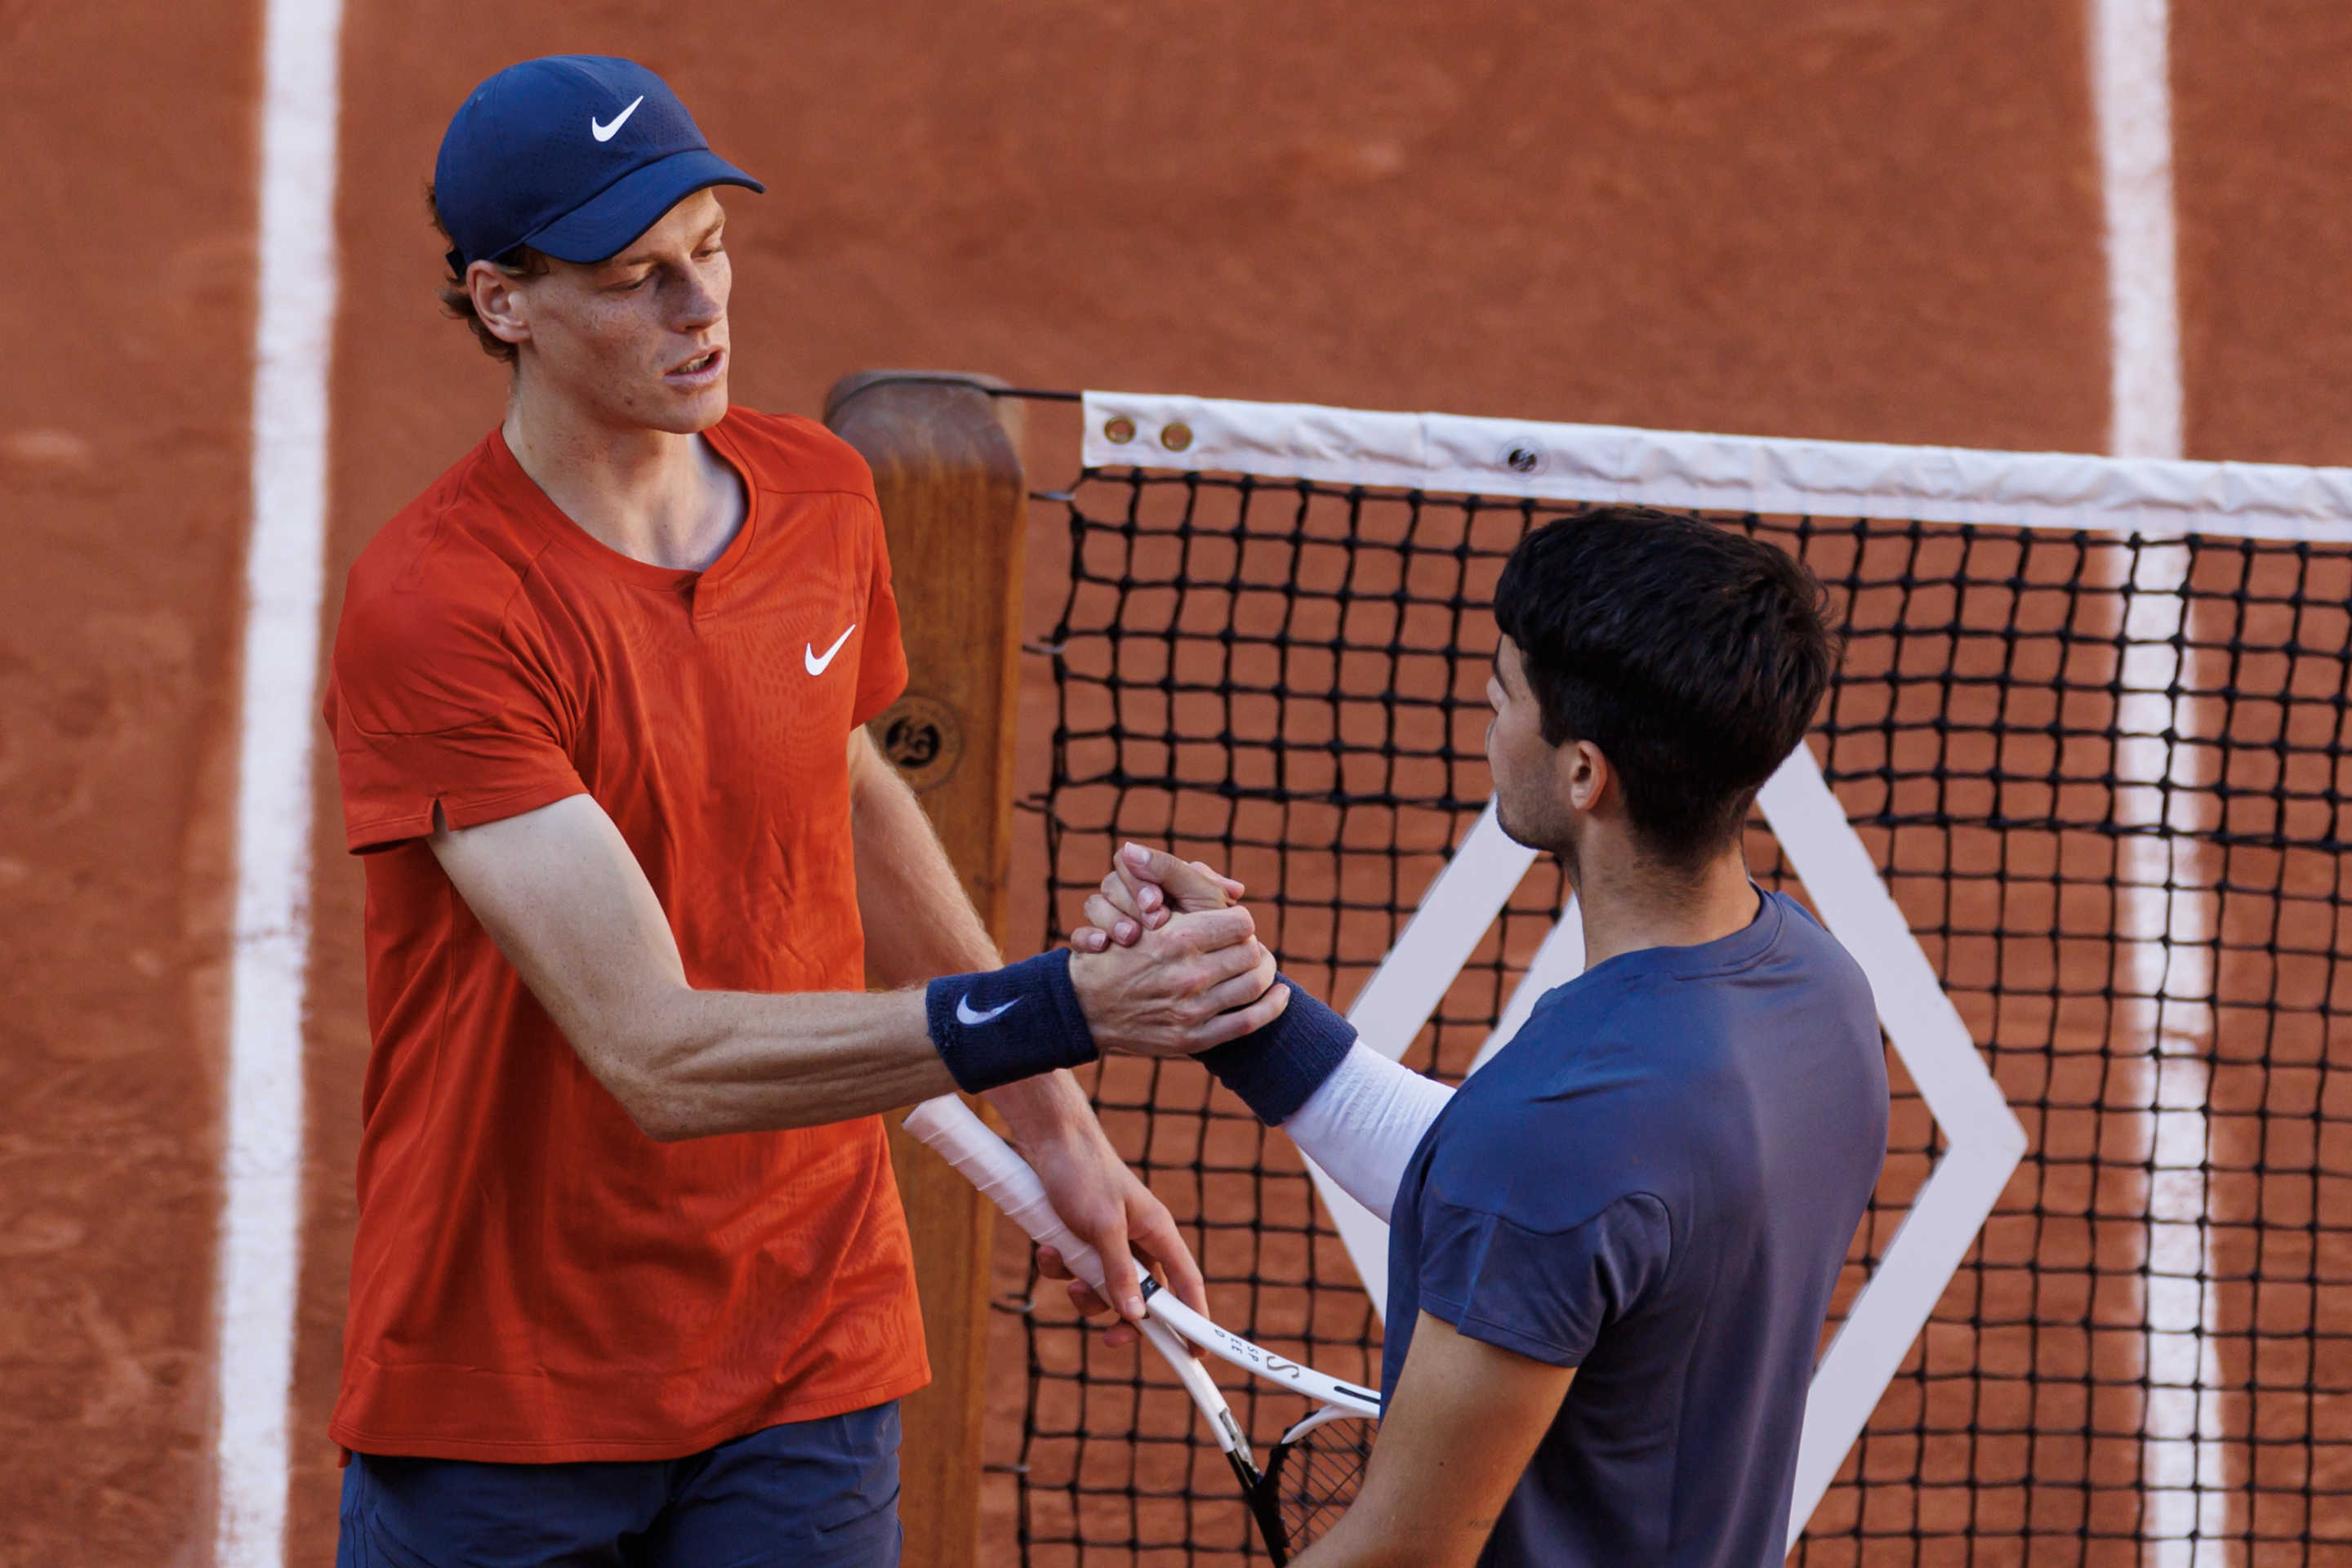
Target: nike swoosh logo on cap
{"points": [[967, 1017], [816, 661], [603, 133]]}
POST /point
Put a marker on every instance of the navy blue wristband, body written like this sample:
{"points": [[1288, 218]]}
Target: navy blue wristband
{"points": [[1275, 1069], [1009, 1024]]}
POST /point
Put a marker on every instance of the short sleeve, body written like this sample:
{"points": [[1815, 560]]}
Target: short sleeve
{"points": [[1547, 1295], [882, 659], [438, 704]]}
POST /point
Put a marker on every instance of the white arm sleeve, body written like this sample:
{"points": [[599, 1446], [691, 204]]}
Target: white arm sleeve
{"points": [[1362, 1124]]}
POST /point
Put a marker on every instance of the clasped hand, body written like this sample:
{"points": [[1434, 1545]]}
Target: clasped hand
{"points": [[1167, 965], [1186, 971]]}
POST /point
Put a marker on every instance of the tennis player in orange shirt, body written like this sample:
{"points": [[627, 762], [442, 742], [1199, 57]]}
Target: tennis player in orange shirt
{"points": [[631, 1283]]}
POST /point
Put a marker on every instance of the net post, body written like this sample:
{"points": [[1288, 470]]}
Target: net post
{"points": [[947, 469]]}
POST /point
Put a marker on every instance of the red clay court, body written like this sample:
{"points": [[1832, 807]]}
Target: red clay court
{"points": [[1885, 221]]}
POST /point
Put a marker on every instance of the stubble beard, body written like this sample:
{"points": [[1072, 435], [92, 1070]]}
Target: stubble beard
{"points": [[1535, 828]]}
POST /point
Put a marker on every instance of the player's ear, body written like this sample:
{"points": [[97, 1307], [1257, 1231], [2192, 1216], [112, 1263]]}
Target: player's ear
{"points": [[1584, 774], [498, 300]]}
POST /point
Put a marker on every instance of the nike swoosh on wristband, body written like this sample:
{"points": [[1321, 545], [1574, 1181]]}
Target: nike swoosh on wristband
{"points": [[603, 133], [967, 1017], [817, 661]]}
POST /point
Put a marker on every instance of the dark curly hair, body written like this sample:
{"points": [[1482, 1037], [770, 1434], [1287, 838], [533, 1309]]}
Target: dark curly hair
{"points": [[1691, 655], [522, 261]]}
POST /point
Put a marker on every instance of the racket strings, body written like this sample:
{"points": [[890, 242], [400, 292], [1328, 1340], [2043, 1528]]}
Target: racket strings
{"points": [[1316, 1474]]}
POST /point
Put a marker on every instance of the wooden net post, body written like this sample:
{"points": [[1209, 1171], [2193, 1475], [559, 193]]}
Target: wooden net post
{"points": [[948, 472]]}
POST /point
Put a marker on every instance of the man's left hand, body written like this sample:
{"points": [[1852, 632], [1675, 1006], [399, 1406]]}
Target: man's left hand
{"points": [[1098, 1198]]}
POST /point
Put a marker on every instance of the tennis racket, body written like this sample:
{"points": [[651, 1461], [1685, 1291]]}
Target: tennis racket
{"points": [[1311, 1476]]}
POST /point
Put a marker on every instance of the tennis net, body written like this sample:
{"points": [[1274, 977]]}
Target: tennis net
{"points": [[2076, 800]]}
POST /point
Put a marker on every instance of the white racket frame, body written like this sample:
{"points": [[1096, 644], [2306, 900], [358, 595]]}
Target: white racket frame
{"points": [[950, 1128]]}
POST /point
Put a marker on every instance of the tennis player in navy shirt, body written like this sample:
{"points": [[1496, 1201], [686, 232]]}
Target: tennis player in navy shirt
{"points": [[1612, 1251]]}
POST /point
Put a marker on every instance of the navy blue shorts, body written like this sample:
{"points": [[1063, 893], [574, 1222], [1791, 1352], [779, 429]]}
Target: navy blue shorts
{"points": [[811, 1494]]}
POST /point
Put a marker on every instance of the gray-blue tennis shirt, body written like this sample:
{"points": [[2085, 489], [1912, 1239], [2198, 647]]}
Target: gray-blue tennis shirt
{"points": [[1656, 1183]]}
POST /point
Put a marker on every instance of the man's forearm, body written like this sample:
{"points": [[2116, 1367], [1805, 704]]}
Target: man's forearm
{"points": [[1363, 1124], [742, 1062], [920, 924], [689, 1063], [919, 921], [707, 1062], [692, 1064], [560, 892]]}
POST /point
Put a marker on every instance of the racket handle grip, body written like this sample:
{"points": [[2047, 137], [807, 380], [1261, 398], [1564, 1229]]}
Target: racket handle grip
{"points": [[948, 1126]]}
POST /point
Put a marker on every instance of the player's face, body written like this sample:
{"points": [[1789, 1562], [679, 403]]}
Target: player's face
{"points": [[640, 341], [1525, 766]]}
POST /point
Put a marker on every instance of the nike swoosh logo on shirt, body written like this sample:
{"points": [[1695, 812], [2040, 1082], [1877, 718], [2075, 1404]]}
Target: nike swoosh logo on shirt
{"points": [[967, 1017], [603, 133], [816, 661]]}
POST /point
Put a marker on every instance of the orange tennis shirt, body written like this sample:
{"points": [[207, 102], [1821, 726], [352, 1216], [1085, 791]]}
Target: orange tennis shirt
{"points": [[534, 1279]]}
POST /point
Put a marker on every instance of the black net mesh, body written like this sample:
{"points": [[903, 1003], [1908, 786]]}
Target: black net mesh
{"points": [[2104, 779]]}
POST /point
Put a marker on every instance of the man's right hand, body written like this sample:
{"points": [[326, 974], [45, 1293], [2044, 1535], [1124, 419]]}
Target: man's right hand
{"points": [[1144, 889], [1199, 980]]}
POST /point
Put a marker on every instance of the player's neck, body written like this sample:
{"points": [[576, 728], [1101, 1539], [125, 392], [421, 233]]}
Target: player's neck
{"points": [[1629, 901], [656, 496]]}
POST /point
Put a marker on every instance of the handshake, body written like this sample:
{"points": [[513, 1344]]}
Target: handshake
{"points": [[1168, 964], [1168, 967]]}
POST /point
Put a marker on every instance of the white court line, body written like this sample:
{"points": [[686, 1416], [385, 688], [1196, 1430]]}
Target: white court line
{"points": [[2165, 919], [2131, 96], [261, 1163], [2164, 913]]}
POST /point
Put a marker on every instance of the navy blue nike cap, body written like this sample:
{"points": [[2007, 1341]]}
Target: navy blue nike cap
{"points": [[575, 155]]}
